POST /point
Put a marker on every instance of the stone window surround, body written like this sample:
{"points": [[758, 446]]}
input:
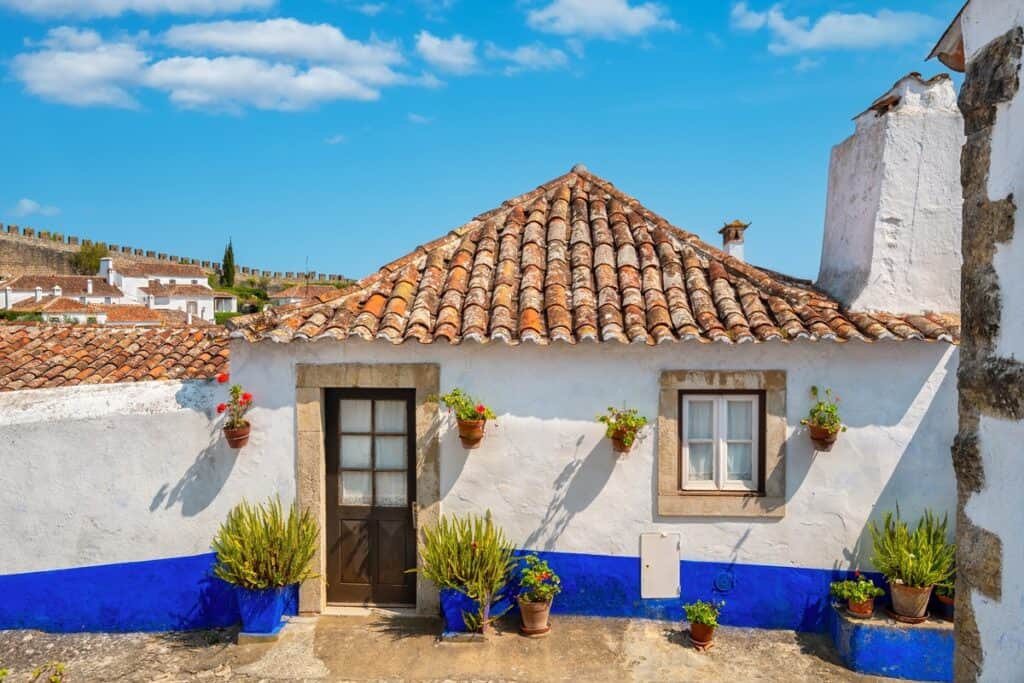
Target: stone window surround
{"points": [[310, 461], [672, 502]]}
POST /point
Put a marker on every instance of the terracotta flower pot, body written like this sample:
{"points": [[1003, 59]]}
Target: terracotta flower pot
{"points": [[822, 437], [945, 606], [239, 436], [861, 609], [535, 616], [619, 444], [471, 432], [701, 634], [908, 601]]}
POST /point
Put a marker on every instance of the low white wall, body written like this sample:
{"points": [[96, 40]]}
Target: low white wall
{"points": [[116, 473], [551, 480]]}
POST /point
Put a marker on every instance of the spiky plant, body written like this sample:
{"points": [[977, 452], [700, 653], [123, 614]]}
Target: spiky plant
{"points": [[919, 558], [258, 547], [472, 555]]}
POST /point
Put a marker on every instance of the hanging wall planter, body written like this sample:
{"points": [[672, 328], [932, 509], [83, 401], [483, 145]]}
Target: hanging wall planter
{"points": [[236, 427], [622, 427], [823, 421], [471, 416]]}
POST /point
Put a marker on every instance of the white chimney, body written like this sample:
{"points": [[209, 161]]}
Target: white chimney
{"points": [[88, 286], [8, 297], [188, 318], [149, 301], [39, 294], [107, 269], [732, 238], [893, 216], [57, 291]]}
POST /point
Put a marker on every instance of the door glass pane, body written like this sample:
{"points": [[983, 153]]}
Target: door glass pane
{"points": [[391, 489], [390, 417], [356, 488], [700, 462], [739, 466], [355, 415], [355, 452], [741, 419], [698, 422], [391, 452]]}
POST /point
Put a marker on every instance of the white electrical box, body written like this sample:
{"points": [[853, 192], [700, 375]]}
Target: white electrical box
{"points": [[659, 565]]}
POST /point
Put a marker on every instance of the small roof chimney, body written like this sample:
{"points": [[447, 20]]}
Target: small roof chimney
{"points": [[107, 269], [8, 297], [732, 238], [39, 294], [88, 286], [57, 291]]}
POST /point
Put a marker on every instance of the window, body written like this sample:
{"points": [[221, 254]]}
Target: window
{"points": [[195, 282], [172, 281], [81, 299], [107, 300], [192, 307], [720, 442]]}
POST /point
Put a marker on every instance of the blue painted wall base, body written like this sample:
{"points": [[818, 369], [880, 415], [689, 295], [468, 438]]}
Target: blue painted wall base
{"points": [[170, 594], [921, 653]]}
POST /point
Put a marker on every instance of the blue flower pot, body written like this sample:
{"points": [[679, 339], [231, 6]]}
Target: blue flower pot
{"points": [[261, 610], [453, 604]]}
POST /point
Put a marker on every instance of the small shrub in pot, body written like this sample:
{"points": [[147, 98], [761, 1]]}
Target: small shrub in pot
{"points": [[470, 414], [538, 586], [703, 618], [859, 595], [622, 426], [823, 420], [912, 561]]}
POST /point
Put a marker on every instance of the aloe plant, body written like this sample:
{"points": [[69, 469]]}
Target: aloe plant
{"points": [[919, 558], [258, 547]]}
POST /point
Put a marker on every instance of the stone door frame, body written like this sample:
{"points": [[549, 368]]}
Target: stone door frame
{"points": [[311, 381]]}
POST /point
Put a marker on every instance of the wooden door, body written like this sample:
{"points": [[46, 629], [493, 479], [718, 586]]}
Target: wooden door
{"points": [[371, 495]]}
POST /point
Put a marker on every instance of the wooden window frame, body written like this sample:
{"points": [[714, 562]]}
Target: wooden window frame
{"points": [[719, 485]]}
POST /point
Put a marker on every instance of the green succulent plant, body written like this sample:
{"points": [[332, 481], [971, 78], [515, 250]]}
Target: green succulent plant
{"points": [[919, 558]]}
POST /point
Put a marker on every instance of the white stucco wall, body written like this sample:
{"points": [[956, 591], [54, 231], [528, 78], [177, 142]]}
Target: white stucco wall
{"points": [[893, 216], [997, 507], [117, 473], [552, 482]]}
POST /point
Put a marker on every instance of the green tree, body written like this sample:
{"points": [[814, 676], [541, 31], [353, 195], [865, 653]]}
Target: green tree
{"points": [[87, 260], [227, 266]]}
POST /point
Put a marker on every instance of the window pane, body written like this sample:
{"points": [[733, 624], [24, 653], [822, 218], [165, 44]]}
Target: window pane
{"points": [[355, 452], [698, 421], [739, 466], [355, 488], [355, 415], [391, 452], [391, 489], [390, 417], [741, 418], [701, 468]]}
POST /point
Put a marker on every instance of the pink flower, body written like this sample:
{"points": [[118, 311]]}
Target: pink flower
{"points": [[223, 377], [221, 408]]}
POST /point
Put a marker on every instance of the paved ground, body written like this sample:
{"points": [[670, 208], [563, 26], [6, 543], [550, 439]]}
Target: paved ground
{"points": [[384, 648]]}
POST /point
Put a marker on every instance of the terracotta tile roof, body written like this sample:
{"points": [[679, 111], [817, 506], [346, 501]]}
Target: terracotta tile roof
{"points": [[303, 292], [157, 289], [70, 285], [42, 356], [160, 270], [578, 260], [54, 304]]}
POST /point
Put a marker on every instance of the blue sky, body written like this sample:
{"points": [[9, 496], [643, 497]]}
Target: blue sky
{"points": [[347, 133]]}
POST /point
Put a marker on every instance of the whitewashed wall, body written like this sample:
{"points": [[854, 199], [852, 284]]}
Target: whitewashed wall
{"points": [[117, 473], [552, 481]]}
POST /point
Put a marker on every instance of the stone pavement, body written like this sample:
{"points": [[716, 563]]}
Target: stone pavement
{"points": [[391, 648]]}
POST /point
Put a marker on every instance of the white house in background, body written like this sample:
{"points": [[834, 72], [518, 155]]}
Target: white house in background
{"points": [[174, 286], [86, 289], [298, 293], [61, 309]]}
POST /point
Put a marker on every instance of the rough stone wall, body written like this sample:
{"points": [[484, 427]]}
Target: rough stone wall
{"points": [[24, 257], [991, 386]]}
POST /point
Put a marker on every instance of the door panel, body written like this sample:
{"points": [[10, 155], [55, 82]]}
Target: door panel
{"points": [[371, 484]]}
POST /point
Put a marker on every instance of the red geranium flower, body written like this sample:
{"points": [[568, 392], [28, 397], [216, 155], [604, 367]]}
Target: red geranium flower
{"points": [[481, 409], [222, 377], [247, 397], [856, 573], [221, 408]]}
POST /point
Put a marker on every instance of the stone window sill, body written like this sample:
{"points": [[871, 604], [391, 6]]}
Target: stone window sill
{"points": [[721, 504]]}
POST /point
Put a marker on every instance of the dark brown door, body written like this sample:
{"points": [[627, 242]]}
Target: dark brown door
{"points": [[371, 494]]}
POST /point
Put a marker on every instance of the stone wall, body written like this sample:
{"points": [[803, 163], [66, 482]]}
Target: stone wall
{"points": [[986, 454]]}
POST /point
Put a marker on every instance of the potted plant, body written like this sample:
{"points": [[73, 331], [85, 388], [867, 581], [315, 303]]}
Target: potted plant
{"points": [[823, 419], [236, 427], [471, 561], [945, 597], [622, 426], [470, 415], [703, 618], [262, 553], [912, 561], [859, 595], [538, 586]]}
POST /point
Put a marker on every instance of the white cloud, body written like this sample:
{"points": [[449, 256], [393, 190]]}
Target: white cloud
{"points": [[455, 55], [535, 57], [230, 83], [285, 38], [418, 118], [600, 18], [77, 67], [807, 64], [113, 8], [29, 207], [335, 139], [834, 30], [370, 9]]}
